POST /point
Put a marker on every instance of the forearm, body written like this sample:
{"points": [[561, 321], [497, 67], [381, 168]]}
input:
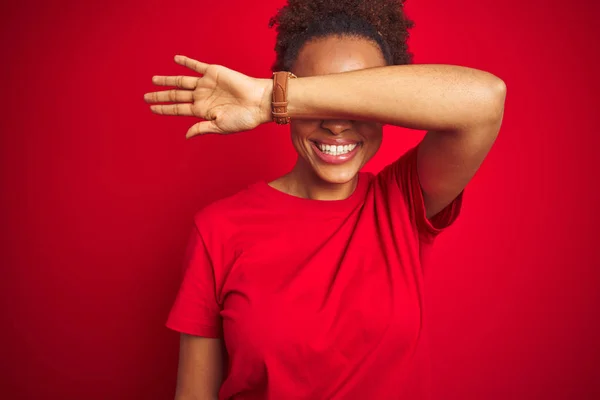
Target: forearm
{"points": [[424, 97], [192, 397]]}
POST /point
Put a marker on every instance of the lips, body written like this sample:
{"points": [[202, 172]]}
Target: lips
{"points": [[336, 142], [336, 151]]}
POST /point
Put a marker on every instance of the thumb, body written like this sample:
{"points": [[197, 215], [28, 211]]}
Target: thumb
{"points": [[201, 128]]}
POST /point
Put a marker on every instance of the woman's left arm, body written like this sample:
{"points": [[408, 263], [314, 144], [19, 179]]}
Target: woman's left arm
{"points": [[461, 108]]}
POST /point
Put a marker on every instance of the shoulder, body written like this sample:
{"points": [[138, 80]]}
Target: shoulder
{"points": [[225, 213], [228, 224]]}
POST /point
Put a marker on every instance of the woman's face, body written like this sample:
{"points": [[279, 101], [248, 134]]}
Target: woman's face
{"points": [[318, 141]]}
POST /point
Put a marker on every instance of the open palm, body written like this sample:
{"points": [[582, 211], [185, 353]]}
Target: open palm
{"points": [[227, 100]]}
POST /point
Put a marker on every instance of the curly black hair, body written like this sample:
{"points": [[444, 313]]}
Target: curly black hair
{"points": [[382, 21]]}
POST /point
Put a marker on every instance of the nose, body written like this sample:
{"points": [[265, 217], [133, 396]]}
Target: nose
{"points": [[336, 126]]}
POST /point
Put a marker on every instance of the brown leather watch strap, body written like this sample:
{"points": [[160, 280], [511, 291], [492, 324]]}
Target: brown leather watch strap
{"points": [[279, 98]]}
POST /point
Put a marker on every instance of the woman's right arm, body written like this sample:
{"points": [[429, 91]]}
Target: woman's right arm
{"points": [[200, 369]]}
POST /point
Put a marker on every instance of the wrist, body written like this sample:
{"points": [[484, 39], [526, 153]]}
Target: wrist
{"points": [[280, 97], [265, 109]]}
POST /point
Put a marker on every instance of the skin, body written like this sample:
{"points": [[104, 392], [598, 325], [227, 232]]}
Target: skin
{"points": [[344, 91], [199, 374], [311, 177]]}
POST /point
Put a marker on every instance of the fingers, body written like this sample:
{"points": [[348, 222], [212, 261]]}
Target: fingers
{"points": [[182, 82], [197, 66], [181, 109], [201, 128], [179, 96]]}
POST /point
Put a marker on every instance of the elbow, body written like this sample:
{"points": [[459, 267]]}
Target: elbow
{"points": [[495, 97], [489, 103], [498, 99]]}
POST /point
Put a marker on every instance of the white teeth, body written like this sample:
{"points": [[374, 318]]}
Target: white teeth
{"points": [[336, 150]]}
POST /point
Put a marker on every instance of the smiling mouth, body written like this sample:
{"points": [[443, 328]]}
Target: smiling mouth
{"points": [[336, 150]]}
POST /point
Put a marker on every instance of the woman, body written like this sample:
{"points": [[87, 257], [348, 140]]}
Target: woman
{"points": [[309, 287]]}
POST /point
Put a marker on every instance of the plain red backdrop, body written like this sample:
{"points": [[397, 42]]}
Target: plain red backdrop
{"points": [[98, 194]]}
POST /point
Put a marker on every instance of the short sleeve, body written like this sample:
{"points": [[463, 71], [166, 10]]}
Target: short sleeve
{"points": [[196, 311], [403, 172]]}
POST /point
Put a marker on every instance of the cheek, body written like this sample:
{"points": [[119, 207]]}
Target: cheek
{"points": [[303, 127], [372, 134], [300, 131]]}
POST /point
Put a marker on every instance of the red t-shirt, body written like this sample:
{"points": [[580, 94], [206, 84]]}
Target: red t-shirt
{"points": [[314, 299]]}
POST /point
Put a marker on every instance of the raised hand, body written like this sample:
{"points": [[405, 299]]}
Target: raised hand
{"points": [[227, 100]]}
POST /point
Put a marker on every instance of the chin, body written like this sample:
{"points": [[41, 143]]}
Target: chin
{"points": [[340, 176]]}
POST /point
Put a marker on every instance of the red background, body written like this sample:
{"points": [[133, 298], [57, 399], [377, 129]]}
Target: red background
{"points": [[98, 194]]}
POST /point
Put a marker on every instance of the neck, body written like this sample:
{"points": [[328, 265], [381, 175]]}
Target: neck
{"points": [[303, 182]]}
